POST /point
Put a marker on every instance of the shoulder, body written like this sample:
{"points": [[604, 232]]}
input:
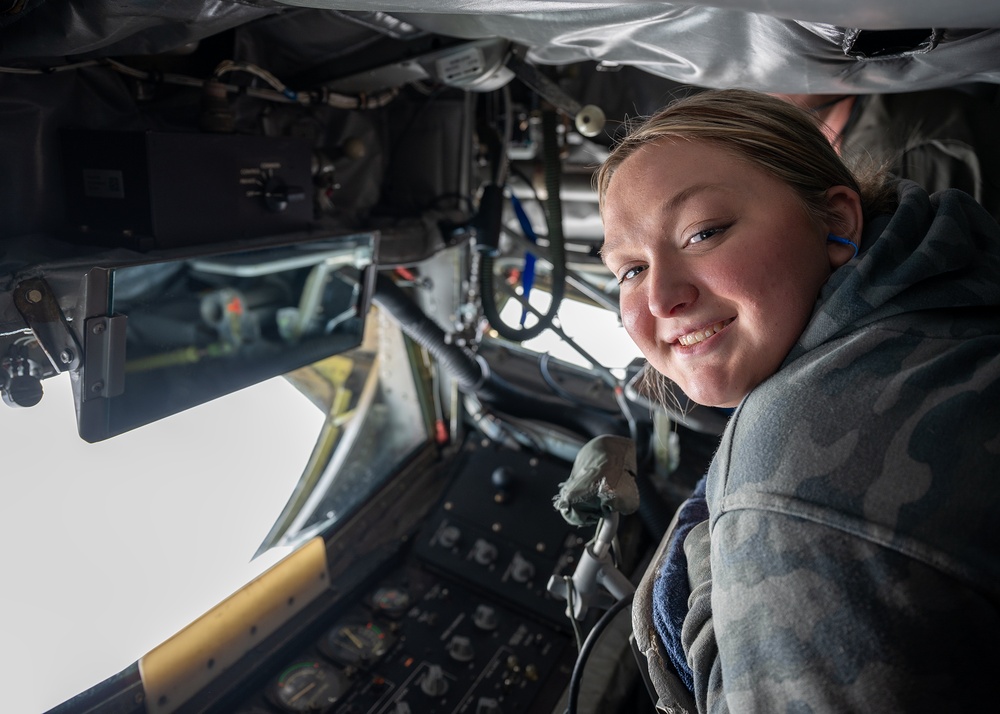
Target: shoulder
{"points": [[890, 433], [846, 403]]}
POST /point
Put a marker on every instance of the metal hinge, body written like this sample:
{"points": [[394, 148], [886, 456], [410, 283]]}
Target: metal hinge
{"points": [[38, 306], [104, 374]]}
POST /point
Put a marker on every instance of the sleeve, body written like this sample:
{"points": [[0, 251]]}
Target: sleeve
{"points": [[698, 634], [795, 616]]}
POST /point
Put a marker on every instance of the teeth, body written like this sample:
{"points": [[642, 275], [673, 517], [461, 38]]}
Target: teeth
{"points": [[701, 335]]}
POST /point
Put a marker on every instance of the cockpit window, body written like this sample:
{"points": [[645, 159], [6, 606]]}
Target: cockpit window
{"points": [[111, 548], [126, 541], [375, 419], [597, 330]]}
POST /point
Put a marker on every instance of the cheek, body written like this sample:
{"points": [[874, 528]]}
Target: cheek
{"points": [[635, 318]]}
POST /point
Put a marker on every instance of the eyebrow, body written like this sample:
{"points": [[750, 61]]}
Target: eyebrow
{"points": [[670, 205]]}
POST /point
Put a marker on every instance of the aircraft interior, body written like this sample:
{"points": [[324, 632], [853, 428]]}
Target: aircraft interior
{"points": [[386, 204]]}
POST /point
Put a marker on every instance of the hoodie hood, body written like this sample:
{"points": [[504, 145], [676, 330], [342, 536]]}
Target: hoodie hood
{"points": [[939, 251]]}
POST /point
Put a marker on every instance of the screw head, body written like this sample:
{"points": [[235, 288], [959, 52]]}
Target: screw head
{"points": [[98, 328], [66, 356], [97, 387], [34, 295]]}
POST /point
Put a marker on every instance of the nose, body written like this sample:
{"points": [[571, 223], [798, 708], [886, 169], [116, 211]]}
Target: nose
{"points": [[670, 292]]}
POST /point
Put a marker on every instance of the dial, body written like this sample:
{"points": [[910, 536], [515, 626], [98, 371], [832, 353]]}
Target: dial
{"points": [[308, 686], [357, 642], [391, 601]]}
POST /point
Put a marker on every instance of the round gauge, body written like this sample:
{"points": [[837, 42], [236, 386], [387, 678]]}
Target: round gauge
{"points": [[391, 602], [358, 643], [308, 686]]}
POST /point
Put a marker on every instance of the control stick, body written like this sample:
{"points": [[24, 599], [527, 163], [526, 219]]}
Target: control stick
{"points": [[601, 486]]}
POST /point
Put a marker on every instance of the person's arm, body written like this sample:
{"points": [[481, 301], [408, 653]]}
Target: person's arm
{"points": [[796, 616]]}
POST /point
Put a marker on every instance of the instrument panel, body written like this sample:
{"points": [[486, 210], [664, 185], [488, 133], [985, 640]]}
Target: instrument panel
{"points": [[463, 623]]}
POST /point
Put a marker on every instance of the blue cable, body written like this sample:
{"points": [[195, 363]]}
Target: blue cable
{"points": [[528, 274]]}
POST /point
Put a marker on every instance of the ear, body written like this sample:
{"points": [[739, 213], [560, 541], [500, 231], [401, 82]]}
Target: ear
{"points": [[846, 220]]}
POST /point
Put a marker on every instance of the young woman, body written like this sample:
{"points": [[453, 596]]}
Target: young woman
{"points": [[849, 559]]}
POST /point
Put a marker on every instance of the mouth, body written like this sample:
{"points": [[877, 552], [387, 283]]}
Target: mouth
{"points": [[703, 333]]}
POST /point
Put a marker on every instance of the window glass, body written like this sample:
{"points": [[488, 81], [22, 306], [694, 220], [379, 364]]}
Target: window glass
{"points": [[597, 330], [111, 548]]}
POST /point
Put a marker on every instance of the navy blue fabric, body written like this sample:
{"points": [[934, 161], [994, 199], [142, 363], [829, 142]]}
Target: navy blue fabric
{"points": [[671, 588]]}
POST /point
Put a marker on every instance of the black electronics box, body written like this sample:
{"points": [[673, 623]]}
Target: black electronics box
{"points": [[154, 190]]}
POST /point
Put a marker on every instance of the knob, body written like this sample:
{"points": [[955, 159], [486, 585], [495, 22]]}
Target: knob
{"points": [[460, 649], [23, 390], [434, 684], [502, 478], [521, 569], [484, 552], [485, 618]]}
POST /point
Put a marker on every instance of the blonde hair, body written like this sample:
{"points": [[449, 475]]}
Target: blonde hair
{"points": [[769, 133]]}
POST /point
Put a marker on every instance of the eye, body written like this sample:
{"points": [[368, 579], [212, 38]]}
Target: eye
{"points": [[630, 273], [703, 235]]}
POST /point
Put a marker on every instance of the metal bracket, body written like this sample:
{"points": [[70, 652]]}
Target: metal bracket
{"points": [[104, 372], [595, 567], [589, 120], [38, 306]]}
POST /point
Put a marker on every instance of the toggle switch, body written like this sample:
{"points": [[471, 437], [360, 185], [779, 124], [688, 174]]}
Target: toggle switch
{"points": [[484, 552], [521, 569], [485, 618], [434, 684], [460, 649]]}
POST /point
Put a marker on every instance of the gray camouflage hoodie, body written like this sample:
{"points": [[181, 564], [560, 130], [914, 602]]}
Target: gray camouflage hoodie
{"points": [[854, 501]]}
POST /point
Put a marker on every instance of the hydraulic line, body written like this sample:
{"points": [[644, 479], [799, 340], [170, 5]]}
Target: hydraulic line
{"points": [[557, 251], [473, 375]]}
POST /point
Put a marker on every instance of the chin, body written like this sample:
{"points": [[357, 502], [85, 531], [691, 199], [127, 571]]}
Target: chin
{"points": [[718, 403], [709, 396]]}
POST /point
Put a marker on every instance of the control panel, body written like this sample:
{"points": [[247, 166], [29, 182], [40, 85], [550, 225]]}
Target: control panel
{"points": [[463, 625], [419, 644], [498, 531]]}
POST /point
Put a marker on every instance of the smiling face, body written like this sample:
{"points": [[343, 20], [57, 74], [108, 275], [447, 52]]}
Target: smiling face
{"points": [[719, 263]]}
